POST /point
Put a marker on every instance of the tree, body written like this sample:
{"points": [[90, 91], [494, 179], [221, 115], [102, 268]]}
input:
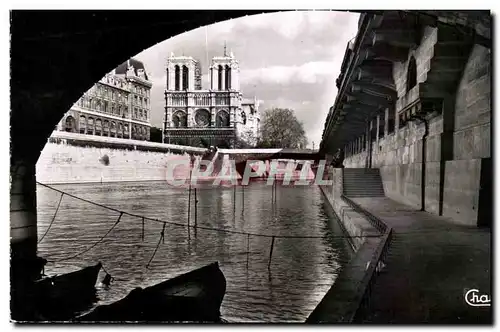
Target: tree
{"points": [[246, 140], [281, 129]]}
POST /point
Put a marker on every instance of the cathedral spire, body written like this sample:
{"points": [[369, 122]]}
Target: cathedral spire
{"points": [[225, 47]]}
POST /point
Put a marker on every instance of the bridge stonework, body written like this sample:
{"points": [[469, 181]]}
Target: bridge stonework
{"points": [[451, 97]]}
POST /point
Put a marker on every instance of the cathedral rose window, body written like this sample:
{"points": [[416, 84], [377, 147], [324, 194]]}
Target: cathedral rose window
{"points": [[202, 118]]}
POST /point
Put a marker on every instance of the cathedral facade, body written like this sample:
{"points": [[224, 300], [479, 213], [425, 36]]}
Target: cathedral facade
{"points": [[217, 116]]}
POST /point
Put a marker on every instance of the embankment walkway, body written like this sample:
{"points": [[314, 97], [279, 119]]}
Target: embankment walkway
{"points": [[431, 264]]}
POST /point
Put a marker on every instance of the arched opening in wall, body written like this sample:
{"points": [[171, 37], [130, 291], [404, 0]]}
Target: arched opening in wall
{"points": [[185, 78], [228, 77], [90, 126], [411, 79], [83, 124], [112, 129], [202, 118], [105, 128], [179, 119], [177, 78], [126, 133], [219, 71], [69, 124], [98, 127], [222, 119], [120, 130]]}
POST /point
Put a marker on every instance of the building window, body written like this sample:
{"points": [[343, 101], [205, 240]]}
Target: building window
{"points": [[105, 128], [145, 114], [125, 111], [185, 78], [220, 77], [411, 79], [112, 129], [140, 114], [135, 113], [98, 127], [69, 124], [125, 131], [83, 124], [135, 100], [90, 126], [177, 78], [228, 78]]}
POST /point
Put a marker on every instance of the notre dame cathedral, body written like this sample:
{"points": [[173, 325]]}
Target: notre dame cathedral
{"points": [[218, 116]]}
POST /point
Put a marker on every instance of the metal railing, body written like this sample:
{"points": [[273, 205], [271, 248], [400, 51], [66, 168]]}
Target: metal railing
{"points": [[376, 263]]}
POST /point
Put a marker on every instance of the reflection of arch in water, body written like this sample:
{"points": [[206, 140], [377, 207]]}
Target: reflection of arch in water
{"points": [[222, 119], [69, 124], [179, 119]]}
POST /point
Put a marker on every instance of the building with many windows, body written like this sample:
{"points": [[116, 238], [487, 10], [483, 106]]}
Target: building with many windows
{"points": [[217, 116], [118, 105]]}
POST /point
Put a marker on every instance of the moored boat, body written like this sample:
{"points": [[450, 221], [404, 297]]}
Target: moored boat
{"points": [[195, 296], [60, 296]]}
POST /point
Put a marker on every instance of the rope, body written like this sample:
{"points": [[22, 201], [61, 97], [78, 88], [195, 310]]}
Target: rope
{"points": [[53, 218], [92, 246], [162, 239], [222, 230]]}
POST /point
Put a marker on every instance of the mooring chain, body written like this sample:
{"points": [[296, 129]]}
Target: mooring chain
{"points": [[53, 218], [92, 246]]}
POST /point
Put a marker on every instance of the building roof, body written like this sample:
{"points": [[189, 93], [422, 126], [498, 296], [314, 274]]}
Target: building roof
{"points": [[123, 68]]}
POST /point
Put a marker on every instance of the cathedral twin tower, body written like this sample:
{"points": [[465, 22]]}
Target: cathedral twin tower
{"points": [[217, 116]]}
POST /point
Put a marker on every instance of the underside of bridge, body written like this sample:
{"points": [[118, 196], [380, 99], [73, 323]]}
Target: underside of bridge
{"points": [[414, 100], [55, 57]]}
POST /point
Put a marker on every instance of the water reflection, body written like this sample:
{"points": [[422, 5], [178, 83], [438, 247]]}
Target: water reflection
{"points": [[301, 272]]}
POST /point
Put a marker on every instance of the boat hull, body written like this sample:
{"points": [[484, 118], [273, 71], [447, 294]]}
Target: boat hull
{"points": [[192, 297], [63, 296]]}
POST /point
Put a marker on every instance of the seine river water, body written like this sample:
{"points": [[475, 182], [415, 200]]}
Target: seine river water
{"points": [[302, 269]]}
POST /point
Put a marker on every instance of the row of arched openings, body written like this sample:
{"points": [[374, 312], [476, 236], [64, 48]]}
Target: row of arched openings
{"points": [[91, 126], [222, 119], [223, 72]]}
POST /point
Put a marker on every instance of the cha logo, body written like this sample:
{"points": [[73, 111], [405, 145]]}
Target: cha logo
{"points": [[475, 299]]}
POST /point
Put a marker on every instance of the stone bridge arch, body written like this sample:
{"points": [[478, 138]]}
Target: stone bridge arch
{"points": [[52, 65]]}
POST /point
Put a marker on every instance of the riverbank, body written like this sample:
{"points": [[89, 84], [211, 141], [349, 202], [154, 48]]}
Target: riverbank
{"points": [[435, 270]]}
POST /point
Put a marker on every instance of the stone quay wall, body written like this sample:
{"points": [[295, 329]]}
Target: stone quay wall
{"points": [[458, 146], [65, 163]]}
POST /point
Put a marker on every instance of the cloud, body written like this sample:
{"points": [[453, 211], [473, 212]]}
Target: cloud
{"points": [[310, 73]]}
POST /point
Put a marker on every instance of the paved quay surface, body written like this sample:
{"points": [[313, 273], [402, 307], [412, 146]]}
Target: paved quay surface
{"points": [[431, 264]]}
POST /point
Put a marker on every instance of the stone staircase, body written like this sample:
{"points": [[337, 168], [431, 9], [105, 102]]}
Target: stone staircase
{"points": [[363, 182]]}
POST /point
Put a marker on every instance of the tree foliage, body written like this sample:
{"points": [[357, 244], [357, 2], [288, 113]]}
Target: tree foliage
{"points": [[281, 129]]}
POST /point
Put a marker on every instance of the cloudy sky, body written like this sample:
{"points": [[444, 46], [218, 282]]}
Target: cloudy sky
{"points": [[287, 59]]}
